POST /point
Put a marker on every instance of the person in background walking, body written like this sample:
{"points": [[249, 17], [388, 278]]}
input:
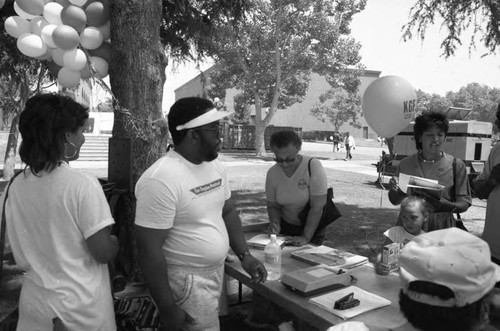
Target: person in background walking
{"points": [[336, 140], [349, 143]]}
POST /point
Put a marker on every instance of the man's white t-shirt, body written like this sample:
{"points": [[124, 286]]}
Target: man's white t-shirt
{"points": [[187, 199], [49, 217]]}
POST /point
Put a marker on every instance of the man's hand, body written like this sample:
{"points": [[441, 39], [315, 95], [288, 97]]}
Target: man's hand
{"points": [[394, 183], [174, 319], [255, 268], [274, 227], [296, 241]]}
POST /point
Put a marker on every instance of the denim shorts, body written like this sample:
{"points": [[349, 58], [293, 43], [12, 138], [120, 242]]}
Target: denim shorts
{"points": [[198, 291]]}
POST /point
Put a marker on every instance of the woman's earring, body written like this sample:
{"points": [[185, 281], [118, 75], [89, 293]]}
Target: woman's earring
{"points": [[74, 152]]}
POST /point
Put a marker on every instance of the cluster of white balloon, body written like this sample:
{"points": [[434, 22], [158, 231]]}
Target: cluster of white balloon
{"points": [[73, 35]]}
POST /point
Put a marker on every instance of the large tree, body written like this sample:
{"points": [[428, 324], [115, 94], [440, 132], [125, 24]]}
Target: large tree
{"points": [[481, 99], [270, 54], [481, 17], [432, 102]]}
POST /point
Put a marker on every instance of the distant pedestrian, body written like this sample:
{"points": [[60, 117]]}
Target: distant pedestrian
{"points": [[349, 143], [336, 140]]}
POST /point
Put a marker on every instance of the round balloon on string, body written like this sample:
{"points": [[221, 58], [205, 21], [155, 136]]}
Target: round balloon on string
{"points": [[85, 72], [75, 59], [65, 37], [16, 26], [31, 45], [75, 17], [2, 3], [91, 38], [46, 35], [68, 78], [106, 30], [32, 7], [104, 51], [64, 3], [58, 56], [389, 105], [52, 13], [22, 13], [79, 3], [100, 65], [97, 13], [37, 24]]}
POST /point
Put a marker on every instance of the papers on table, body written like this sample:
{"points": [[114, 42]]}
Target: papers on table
{"points": [[368, 301], [261, 240], [331, 257], [415, 185]]}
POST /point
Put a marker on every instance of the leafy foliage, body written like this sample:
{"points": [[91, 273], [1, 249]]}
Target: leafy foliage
{"points": [[482, 99], [270, 54], [432, 102], [338, 106], [482, 17]]}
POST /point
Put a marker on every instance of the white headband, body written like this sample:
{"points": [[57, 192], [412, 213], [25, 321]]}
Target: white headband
{"points": [[210, 116]]}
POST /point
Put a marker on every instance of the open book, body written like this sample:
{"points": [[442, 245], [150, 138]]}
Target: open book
{"points": [[420, 186], [324, 255], [367, 301], [261, 240]]}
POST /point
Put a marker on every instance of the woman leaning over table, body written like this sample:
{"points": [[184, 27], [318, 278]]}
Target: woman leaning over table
{"points": [[58, 224], [432, 162], [290, 186]]}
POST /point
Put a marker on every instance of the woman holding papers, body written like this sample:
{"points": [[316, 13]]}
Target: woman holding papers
{"points": [[292, 183], [449, 192]]}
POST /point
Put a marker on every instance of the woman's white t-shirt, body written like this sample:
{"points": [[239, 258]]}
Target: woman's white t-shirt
{"points": [[49, 217]]}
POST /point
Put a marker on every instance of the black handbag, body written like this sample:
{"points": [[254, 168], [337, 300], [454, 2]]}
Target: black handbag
{"points": [[330, 211]]}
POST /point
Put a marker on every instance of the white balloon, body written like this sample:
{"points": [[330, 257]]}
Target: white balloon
{"points": [[46, 35], [52, 13], [58, 56], [79, 3], [22, 13], [37, 24], [106, 30], [100, 65], [75, 59], [91, 38], [389, 105], [31, 45], [16, 26], [68, 78]]}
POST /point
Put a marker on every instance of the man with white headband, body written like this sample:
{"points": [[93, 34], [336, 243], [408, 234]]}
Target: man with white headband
{"points": [[185, 221], [448, 281]]}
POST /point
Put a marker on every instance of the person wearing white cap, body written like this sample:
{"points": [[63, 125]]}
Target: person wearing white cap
{"points": [[448, 281], [185, 221]]}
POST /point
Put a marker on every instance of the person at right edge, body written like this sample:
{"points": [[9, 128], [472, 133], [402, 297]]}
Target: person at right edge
{"points": [[486, 186], [432, 162]]}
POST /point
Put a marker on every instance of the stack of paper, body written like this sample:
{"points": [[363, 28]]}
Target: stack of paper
{"points": [[368, 301], [261, 240], [324, 255], [415, 185]]}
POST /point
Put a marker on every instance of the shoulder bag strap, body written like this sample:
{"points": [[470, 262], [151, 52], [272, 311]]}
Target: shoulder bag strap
{"points": [[454, 190], [3, 226]]}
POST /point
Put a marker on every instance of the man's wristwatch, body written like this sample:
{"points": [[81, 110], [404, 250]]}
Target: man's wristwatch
{"points": [[242, 255]]}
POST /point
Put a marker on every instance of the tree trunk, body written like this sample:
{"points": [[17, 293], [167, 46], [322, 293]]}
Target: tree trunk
{"points": [[137, 75]]}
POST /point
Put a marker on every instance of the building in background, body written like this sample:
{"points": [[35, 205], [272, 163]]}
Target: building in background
{"points": [[298, 115]]}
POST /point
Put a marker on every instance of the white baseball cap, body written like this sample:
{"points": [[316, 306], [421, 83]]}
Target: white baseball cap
{"points": [[452, 258]]}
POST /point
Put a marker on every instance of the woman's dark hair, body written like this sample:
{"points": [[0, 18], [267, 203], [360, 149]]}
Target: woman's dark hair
{"points": [[43, 125], [433, 318], [426, 121], [281, 139]]}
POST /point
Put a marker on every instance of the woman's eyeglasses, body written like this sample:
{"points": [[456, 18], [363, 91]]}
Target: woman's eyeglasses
{"points": [[287, 160]]}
